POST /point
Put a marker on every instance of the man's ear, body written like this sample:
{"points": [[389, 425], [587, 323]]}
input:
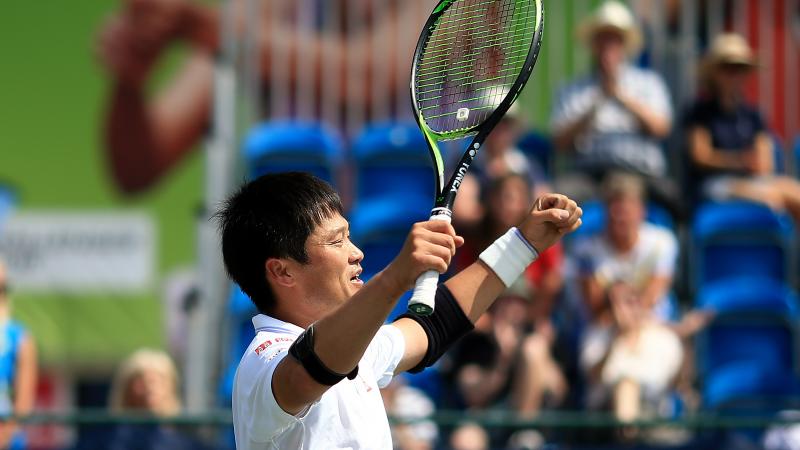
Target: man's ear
{"points": [[279, 272]]}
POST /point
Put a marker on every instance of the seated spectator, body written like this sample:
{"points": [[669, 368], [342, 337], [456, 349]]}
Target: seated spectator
{"points": [[615, 117], [498, 157], [507, 200], [18, 370], [469, 436], [147, 382], [730, 147], [628, 355], [408, 403]]}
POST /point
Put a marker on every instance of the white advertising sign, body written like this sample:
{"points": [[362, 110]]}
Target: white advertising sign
{"points": [[69, 251]]}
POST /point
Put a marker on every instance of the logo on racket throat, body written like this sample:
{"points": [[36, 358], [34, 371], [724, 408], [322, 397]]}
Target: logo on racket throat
{"points": [[459, 177], [462, 114]]}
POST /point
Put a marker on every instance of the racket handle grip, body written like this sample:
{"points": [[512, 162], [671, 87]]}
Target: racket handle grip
{"points": [[422, 300]]}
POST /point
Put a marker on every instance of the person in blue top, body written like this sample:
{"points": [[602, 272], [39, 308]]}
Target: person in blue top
{"points": [[18, 371], [730, 147]]}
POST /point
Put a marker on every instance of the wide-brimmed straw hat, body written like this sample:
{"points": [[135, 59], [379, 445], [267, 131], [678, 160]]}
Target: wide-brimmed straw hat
{"points": [[730, 48], [614, 16]]}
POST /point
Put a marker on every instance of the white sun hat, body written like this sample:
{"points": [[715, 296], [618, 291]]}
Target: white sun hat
{"points": [[615, 16]]}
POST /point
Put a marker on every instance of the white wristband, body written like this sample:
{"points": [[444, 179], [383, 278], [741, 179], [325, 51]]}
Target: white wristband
{"points": [[509, 256]]}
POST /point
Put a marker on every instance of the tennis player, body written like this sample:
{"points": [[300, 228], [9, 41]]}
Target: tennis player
{"points": [[310, 377]]}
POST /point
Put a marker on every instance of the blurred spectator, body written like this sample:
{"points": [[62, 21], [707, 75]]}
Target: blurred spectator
{"points": [[511, 352], [730, 147], [408, 403], [628, 355], [145, 137], [507, 199], [469, 436], [498, 157], [18, 370], [147, 383], [613, 118]]}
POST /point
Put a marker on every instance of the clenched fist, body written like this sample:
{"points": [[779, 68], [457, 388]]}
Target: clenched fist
{"points": [[552, 216]]}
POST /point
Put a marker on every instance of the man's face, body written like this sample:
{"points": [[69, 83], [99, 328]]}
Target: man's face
{"points": [[334, 263], [608, 49], [625, 215], [503, 137], [510, 203]]}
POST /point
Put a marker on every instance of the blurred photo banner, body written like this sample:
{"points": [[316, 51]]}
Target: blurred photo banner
{"points": [[69, 251]]}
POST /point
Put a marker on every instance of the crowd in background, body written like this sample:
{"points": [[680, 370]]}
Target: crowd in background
{"points": [[593, 324]]}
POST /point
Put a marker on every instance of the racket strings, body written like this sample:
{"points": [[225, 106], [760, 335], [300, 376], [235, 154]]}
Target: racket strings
{"points": [[472, 57]]}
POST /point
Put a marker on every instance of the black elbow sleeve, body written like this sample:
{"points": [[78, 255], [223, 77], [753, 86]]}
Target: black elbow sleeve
{"points": [[444, 327]]}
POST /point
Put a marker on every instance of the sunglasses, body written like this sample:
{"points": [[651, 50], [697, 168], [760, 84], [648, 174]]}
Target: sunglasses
{"points": [[735, 68]]}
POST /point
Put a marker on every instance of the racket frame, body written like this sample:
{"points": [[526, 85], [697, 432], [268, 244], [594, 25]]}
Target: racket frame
{"points": [[422, 301]]}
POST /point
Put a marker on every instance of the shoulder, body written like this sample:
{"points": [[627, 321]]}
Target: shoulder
{"points": [[264, 352], [642, 75], [751, 112], [576, 86], [700, 109], [658, 236]]}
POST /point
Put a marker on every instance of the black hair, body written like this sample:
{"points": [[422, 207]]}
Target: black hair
{"points": [[271, 217]]}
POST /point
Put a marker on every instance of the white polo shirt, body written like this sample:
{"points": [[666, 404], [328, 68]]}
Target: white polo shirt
{"points": [[349, 415]]}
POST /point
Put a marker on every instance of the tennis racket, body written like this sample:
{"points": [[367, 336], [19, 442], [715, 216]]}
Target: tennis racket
{"points": [[471, 62]]}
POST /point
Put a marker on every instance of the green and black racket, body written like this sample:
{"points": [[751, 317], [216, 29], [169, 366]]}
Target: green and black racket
{"points": [[472, 60]]}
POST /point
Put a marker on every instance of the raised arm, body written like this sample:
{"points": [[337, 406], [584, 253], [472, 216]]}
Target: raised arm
{"points": [[476, 287], [342, 337], [146, 135]]}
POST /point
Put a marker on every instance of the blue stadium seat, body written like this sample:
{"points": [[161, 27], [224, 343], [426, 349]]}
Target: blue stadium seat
{"points": [[748, 351], [241, 311], [744, 384], [748, 294], [538, 147], [283, 146], [740, 239], [392, 160], [379, 228]]}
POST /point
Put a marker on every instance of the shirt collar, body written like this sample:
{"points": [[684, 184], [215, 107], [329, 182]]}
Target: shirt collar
{"points": [[263, 322]]}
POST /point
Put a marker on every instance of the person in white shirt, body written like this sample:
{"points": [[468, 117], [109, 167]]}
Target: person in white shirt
{"points": [[615, 117], [628, 353], [286, 244]]}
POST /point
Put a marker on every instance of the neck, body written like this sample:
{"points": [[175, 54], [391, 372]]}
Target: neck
{"points": [[728, 101], [624, 244], [298, 312]]}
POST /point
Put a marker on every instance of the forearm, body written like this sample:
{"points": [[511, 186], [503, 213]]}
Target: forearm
{"points": [[130, 144], [144, 137], [704, 154], [475, 288], [564, 137], [343, 336], [655, 290], [25, 378], [653, 123], [341, 339], [764, 152]]}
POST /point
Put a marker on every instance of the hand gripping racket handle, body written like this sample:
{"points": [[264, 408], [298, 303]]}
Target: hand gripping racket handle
{"points": [[421, 302]]}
